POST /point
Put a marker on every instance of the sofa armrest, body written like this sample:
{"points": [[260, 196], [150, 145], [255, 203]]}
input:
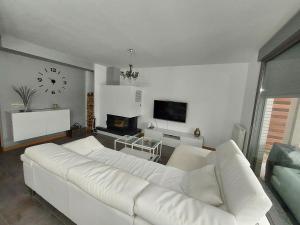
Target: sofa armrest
{"points": [[161, 206], [187, 157]]}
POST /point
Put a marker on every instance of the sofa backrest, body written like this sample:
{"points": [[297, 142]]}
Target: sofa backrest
{"points": [[241, 190], [228, 149]]}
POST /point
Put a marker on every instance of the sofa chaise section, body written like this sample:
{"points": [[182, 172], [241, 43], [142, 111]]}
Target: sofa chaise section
{"points": [[45, 171], [54, 158], [241, 191], [162, 206], [86, 191]]}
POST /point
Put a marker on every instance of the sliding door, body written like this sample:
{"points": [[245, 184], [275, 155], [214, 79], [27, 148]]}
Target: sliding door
{"points": [[274, 150]]}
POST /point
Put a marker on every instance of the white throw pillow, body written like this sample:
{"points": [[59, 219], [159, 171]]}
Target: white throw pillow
{"points": [[187, 157], [202, 184], [84, 146]]}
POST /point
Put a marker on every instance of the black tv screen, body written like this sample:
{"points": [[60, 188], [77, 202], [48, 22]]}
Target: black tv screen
{"points": [[168, 110]]}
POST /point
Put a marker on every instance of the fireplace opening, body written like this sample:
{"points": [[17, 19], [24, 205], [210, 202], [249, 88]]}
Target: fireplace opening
{"points": [[120, 125]]}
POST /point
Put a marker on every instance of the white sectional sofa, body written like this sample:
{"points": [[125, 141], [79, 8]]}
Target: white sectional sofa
{"points": [[94, 185]]}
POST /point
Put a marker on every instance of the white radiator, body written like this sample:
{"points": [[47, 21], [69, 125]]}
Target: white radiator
{"points": [[238, 135]]}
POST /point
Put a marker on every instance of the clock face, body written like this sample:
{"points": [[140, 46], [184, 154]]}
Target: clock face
{"points": [[51, 80]]}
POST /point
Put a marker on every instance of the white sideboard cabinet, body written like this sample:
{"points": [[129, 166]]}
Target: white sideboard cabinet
{"points": [[174, 138], [38, 123]]}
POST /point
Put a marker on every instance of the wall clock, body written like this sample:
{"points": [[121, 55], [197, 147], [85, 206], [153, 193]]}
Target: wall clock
{"points": [[51, 80]]}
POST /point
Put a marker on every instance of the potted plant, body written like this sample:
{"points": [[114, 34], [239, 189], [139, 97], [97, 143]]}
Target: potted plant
{"points": [[25, 94]]}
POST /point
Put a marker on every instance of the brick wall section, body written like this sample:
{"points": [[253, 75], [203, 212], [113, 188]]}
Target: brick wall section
{"points": [[278, 121]]}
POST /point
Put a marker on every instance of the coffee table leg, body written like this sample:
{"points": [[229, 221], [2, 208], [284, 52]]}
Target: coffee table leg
{"points": [[160, 148]]}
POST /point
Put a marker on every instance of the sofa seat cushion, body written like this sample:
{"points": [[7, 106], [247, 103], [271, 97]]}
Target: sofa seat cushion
{"points": [[186, 157], [112, 186], [202, 184], [287, 174], [84, 146], [55, 158], [161, 206], [286, 181]]}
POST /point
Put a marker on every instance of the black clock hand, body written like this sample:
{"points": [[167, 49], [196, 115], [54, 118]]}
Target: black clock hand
{"points": [[52, 80]]}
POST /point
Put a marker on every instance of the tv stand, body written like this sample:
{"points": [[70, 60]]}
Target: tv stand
{"points": [[174, 138]]}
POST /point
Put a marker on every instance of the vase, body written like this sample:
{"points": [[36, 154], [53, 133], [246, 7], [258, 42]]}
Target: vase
{"points": [[197, 132], [25, 109]]}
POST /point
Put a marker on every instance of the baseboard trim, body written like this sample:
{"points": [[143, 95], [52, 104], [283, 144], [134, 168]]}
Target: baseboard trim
{"points": [[37, 141]]}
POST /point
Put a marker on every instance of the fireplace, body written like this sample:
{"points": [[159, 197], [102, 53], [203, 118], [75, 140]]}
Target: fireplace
{"points": [[121, 125]]}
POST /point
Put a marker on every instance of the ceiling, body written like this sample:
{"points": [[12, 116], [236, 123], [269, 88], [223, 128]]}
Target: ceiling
{"points": [[163, 32]]}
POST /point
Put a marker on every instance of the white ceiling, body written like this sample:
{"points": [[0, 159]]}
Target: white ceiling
{"points": [[163, 32]]}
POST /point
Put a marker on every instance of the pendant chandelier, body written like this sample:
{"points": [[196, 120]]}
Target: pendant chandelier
{"points": [[130, 74]]}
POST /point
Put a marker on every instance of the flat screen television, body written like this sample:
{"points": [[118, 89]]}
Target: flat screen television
{"points": [[168, 110]]}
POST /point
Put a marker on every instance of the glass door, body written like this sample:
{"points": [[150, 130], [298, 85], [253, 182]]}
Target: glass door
{"points": [[280, 127], [274, 150]]}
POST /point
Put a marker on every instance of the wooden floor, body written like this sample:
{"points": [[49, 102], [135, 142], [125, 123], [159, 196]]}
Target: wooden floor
{"points": [[18, 207]]}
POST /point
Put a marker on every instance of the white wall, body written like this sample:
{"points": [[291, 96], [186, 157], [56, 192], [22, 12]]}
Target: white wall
{"points": [[16, 44], [99, 81], [249, 98], [89, 81], [20, 70], [214, 94]]}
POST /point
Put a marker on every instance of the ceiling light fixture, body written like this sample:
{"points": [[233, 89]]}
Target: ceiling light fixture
{"points": [[130, 74]]}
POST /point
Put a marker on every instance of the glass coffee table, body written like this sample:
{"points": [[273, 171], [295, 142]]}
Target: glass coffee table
{"points": [[126, 141], [143, 147]]}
